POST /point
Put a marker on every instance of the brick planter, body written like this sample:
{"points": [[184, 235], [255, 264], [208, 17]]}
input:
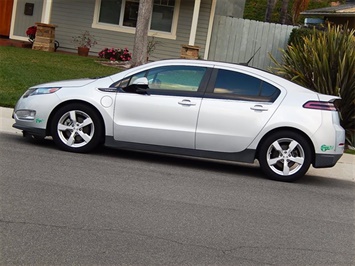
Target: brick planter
{"points": [[189, 51], [45, 37]]}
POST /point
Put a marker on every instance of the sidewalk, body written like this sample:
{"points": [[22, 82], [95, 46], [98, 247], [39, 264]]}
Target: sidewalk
{"points": [[6, 121], [344, 169]]}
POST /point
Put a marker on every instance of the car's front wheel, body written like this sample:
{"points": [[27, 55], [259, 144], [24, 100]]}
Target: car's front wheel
{"points": [[285, 156], [76, 128]]}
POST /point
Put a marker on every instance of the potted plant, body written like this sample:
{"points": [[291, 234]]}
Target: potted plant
{"points": [[84, 42], [31, 33]]}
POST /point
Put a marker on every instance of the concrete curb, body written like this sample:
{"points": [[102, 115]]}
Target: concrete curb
{"points": [[344, 169], [6, 121]]}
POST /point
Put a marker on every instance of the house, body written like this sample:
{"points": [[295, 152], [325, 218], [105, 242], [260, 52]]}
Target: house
{"points": [[337, 14], [173, 22]]}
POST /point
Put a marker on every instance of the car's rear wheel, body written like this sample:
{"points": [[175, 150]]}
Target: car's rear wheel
{"points": [[76, 128], [285, 156]]}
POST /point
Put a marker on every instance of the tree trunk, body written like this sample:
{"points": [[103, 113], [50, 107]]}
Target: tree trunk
{"points": [[269, 9], [284, 11], [139, 56]]}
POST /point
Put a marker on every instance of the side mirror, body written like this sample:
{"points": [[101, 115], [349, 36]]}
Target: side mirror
{"points": [[141, 81], [139, 86]]}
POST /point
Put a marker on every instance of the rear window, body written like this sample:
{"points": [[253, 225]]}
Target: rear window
{"points": [[231, 84]]}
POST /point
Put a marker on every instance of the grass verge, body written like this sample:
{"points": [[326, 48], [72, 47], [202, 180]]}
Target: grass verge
{"points": [[21, 68]]}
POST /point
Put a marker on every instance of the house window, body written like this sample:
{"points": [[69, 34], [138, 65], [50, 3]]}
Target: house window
{"points": [[162, 17], [121, 15], [110, 11], [130, 13]]}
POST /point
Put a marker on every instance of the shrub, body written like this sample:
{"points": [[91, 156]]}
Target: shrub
{"points": [[297, 34], [324, 62], [114, 54]]}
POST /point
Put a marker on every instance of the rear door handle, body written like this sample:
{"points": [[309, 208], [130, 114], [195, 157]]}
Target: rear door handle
{"points": [[259, 108], [186, 103]]}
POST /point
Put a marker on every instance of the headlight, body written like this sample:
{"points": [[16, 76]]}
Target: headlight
{"points": [[38, 91]]}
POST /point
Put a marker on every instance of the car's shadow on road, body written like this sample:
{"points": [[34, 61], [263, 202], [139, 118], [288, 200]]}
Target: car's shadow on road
{"points": [[217, 166], [157, 158]]}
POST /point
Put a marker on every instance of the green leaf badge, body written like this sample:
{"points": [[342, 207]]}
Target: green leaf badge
{"points": [[326, 148]]}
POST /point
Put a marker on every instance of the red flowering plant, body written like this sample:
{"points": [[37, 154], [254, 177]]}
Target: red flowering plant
{"points": [[114, 54], [31, 33]]}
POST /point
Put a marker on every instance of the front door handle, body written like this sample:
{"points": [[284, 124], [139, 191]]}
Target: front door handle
{"points": [[259, 108], [186, 103]]}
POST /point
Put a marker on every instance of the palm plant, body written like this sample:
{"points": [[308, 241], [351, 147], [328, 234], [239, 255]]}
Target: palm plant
{"points": [[324, 61]]}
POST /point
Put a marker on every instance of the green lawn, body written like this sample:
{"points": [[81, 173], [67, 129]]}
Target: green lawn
{"points": [[350, 151], [21, 68]]}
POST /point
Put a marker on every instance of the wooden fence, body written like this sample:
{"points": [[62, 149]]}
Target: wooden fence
{"points": [[236, 40]]}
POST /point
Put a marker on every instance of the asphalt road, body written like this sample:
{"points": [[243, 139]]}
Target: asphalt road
{"points": [[116, 207]]}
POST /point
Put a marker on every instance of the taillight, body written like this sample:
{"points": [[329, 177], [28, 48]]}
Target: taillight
{"points": [[326, 106]]}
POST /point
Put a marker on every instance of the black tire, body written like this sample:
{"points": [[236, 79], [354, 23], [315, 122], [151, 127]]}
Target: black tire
{"points": [[285, 156], [76, 128]]}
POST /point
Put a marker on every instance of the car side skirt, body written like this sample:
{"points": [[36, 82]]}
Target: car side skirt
{"points": [[246, 156]]}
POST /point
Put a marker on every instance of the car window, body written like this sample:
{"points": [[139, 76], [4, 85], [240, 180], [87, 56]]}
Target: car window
{"points": [[268, 90], [236, 83], [123, 83], [176, 78], [233, 84], [170, 78]]}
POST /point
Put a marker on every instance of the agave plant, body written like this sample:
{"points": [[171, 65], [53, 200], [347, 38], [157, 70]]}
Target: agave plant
{"points": [[324, 62]]}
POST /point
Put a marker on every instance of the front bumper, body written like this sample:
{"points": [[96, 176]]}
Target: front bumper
{"points": [[31, 113], [29, 124], [31, 130]]}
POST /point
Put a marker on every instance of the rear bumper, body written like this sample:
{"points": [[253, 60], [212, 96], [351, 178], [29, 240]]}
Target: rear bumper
{"points": [[326, 160]]}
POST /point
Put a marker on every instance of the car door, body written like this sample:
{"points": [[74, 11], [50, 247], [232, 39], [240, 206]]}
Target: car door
{"points": [[234, 110], [166, 114]]}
